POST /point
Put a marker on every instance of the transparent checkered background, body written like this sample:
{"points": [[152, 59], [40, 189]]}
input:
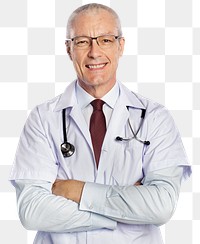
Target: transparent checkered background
{"points": [[161, 61]]}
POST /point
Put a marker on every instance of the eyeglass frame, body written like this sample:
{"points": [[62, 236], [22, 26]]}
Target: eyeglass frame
{"points": [[91, 39]]}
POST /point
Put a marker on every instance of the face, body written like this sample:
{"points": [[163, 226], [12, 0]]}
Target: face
{"points": [[96, 67]]}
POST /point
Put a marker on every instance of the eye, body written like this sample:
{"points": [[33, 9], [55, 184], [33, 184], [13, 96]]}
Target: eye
{"points": [[82, 41], [106, 40]]}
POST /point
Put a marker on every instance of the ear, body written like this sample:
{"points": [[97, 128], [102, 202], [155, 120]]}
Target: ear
{"points": [[121, 45], [69, 52], [68, 49]]}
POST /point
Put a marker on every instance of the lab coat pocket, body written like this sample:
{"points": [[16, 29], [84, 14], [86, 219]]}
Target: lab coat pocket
{"points": [[128, 166]]}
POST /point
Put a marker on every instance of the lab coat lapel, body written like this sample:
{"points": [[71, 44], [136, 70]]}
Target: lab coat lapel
{"points": [[121, 114], [68, 100], [79, 120], [118, 120]]}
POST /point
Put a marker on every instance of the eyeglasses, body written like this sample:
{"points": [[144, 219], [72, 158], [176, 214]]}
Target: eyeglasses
{"points": [[84, 42]]}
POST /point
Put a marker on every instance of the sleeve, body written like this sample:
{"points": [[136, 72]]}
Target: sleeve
{"points": [[34, 158], [151, 203], [40, 210], [166, 148]]}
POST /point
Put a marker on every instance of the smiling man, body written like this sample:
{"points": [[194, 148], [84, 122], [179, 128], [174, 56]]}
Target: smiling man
{"points": [[99, 163], [95, 44]]}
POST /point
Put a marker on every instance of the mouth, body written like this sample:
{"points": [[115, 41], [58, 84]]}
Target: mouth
{"points": [[95, 66]]}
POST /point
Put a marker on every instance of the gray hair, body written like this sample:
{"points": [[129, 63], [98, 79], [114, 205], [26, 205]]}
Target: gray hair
{"points": [[89, 8]]}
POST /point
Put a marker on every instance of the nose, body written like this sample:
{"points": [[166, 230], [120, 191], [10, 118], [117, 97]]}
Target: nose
{"points": [[95, 50]]}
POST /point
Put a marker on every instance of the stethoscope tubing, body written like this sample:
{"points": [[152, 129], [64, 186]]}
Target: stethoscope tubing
{"points": [[68, 149]]}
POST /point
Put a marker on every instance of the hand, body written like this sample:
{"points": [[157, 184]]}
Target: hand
{"points": [[138, 183], [70, 189]]}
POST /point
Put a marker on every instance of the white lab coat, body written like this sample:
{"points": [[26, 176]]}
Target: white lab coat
{"points": [[121, 163]]}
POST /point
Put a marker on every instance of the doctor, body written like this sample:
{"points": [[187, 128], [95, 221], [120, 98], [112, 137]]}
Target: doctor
{"points": [[119, 191]]}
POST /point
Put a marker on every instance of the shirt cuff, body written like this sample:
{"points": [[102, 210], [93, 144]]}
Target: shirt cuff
{"points": [[93, 197], [92, 200]]}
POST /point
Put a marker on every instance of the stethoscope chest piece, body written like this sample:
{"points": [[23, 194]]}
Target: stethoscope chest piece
{"points": [[67, 149]]}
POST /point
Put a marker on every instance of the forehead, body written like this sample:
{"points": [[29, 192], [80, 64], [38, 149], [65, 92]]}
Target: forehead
{"points": [[94, 23]]}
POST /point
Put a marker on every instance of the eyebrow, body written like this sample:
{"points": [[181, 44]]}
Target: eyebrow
{"points": [[103, 34]]}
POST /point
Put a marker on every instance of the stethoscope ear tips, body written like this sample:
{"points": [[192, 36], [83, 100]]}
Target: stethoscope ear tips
{"points": [[67, 149]]}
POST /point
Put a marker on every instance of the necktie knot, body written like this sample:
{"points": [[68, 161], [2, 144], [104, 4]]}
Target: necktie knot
{"points": [[97, 104]]}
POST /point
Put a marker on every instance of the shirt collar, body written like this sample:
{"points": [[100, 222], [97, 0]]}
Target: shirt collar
{"points": [[84, 98]]}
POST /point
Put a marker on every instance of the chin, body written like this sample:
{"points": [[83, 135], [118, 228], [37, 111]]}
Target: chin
{"points": [[95, 81]]}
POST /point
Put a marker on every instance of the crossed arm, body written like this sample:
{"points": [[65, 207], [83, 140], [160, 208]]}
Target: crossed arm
{"points": [[79, 206], [151, 201]]}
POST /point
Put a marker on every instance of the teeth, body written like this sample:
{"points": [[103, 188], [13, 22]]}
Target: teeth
{"points": [[97, 66]]}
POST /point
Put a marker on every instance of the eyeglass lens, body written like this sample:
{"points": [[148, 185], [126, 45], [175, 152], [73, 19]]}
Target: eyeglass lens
{"points": [[105, 41]]}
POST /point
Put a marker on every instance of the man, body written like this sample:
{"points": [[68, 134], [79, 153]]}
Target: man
{"points": [[118, 191]]}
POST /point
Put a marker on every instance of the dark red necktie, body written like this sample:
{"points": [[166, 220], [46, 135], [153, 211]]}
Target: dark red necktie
{"points": [[97, 127]]}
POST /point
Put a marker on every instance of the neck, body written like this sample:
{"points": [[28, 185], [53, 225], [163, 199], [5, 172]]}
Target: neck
{"points": [[97, 91]]}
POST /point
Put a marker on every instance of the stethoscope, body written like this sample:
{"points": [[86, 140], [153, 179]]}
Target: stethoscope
{"points": [[147, 143], [68, 149]]}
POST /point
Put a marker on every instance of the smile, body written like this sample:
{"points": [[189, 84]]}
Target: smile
{"points": [[96, 66]]}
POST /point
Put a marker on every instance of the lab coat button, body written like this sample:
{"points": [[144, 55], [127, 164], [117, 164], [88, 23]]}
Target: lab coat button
{"points": [[90, 206]]}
